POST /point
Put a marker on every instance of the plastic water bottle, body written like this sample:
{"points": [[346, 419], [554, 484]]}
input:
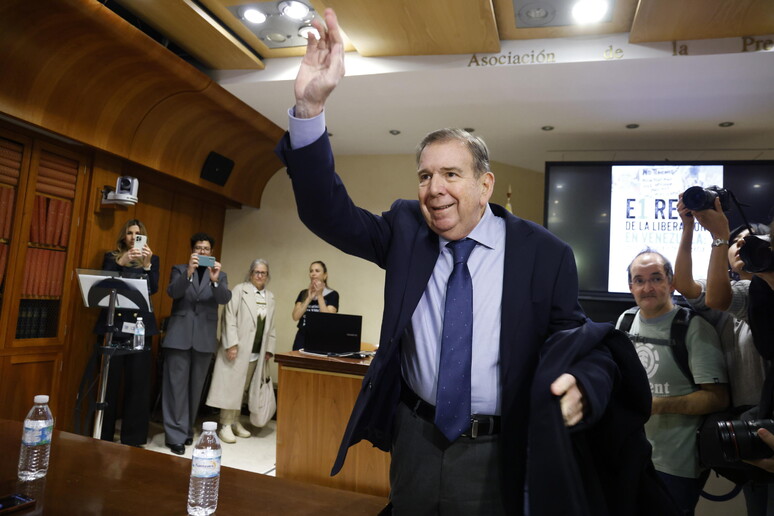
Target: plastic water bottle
{"points": [[205, 472], [36, 440], [138, 342]]}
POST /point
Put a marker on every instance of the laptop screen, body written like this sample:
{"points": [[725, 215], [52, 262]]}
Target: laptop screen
{"points": [[332, 334]]}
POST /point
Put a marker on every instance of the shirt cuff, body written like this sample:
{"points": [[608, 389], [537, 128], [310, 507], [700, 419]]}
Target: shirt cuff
{"points": [[304, 131]]}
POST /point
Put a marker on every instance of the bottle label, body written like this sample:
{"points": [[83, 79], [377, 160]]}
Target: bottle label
{"points": [[205, 463], [37, 432]]}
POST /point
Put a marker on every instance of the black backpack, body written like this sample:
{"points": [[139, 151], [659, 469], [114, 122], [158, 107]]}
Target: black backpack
{"points": [[677, 334]]}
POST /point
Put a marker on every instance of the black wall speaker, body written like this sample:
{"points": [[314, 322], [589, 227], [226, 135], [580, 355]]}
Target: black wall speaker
{"points": [[217, 168]]}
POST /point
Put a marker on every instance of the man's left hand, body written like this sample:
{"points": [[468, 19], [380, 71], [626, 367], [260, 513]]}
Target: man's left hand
{"points": [[571, 399], [214, 272]]}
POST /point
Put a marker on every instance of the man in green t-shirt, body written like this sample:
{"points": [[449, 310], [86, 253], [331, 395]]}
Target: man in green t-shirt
{"points": [[679, 402]]}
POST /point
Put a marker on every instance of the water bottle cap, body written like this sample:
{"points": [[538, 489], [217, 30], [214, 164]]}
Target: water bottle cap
{"points": [[41, 398], [209, 426], [139, 318]]}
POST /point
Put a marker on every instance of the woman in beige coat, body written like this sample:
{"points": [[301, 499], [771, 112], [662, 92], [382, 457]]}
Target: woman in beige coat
{"points": [[247, 342]]}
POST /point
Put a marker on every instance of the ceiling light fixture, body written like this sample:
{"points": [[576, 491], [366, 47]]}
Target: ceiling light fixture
{"points": [[293, 9], [547, 128], [394, 132], [535, 14], [725, 124], [468, 129], [632, 126], [253, 15], [589, 11], [305, 30], [275, 37]]}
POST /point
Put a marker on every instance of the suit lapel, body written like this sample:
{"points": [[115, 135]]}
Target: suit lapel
{"points": [[520, 254], [421, 265]]}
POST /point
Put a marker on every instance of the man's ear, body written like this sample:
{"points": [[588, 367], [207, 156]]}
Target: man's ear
{"points": [[487, 182]]}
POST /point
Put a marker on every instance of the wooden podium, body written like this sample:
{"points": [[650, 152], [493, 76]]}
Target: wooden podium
{"points": [[315, 399]]}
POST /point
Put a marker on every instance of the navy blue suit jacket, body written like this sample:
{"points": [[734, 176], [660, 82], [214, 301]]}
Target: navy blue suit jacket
{"points": [[540, 290]]}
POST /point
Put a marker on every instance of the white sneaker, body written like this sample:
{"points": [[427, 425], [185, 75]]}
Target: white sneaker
{"points": [[241, 431], [226, 435]]}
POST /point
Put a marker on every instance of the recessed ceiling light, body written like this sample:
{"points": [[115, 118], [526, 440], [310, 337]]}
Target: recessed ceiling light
{"points": [[536, 13], [547, 128], [253, 15], [306, 30], [632, 126], [468, 129], [725, 124], [394, 132], [293, 9], [276, 37], [756, 186], [589, 11]]}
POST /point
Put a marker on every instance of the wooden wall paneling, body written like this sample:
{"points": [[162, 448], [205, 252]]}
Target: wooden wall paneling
{"points": [[81, 71], [24, 376], [14, 268], [41, 146], [183, 146]]}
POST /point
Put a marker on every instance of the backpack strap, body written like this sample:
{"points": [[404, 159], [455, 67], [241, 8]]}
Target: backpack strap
{"points": [[677, 334], [628, 319]]}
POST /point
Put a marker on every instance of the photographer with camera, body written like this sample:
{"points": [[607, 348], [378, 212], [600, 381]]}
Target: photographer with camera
{"points": [[723, 299]]}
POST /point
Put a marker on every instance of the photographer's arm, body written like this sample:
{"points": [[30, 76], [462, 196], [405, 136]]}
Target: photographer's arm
{"points": [[711, 397], [683, 280], [718, 294]]}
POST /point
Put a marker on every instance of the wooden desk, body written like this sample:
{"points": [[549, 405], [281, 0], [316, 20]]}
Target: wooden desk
{"points": [[88, 476], [315, 399]]}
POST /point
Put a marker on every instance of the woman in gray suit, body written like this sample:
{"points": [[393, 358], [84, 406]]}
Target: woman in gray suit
{"points": [[247, 342], [191, 339]]}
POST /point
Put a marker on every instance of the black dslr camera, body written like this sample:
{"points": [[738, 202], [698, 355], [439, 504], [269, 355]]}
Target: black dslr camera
{"points": [[697, 198], [739, 439], [757, 254]]}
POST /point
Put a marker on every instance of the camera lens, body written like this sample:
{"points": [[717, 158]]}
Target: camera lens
{"points": [[697, 198], [739, 439], [756, 253]]}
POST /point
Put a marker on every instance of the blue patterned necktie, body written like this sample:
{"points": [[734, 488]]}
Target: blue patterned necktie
{"points": [[452, 402]]}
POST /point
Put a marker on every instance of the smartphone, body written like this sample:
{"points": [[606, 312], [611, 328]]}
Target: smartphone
{"points": [[140, 241], [206, 261], [15, 502]]}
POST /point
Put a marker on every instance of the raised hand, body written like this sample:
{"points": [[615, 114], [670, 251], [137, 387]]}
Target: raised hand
{"points": [[321, 69]]}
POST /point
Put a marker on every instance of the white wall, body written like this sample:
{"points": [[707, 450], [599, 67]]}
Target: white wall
{"points": [[274, 233]]}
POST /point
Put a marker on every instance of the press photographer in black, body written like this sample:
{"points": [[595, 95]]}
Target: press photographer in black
{"points": [[761, 317]]}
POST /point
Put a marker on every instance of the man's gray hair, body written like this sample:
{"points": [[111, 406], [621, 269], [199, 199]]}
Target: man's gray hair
{"points": [[475, 145]]}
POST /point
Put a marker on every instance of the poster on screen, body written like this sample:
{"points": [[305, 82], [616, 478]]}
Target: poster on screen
{"points": [[643, 214]]}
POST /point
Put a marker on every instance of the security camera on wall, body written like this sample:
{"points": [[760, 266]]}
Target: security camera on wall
{"points": [[125, 192]]}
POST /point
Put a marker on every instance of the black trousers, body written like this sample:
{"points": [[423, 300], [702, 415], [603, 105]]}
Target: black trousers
{"points": [[133, 370]]}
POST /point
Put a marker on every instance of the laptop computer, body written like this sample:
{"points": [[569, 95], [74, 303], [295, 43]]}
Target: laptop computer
{"points": [[332, 334]]}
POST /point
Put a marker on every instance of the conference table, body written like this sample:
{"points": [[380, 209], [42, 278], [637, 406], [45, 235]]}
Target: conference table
{"points": [[92, 477]]}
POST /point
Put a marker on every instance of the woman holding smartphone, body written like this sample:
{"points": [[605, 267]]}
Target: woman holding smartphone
{"points": [[132, 258]]}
